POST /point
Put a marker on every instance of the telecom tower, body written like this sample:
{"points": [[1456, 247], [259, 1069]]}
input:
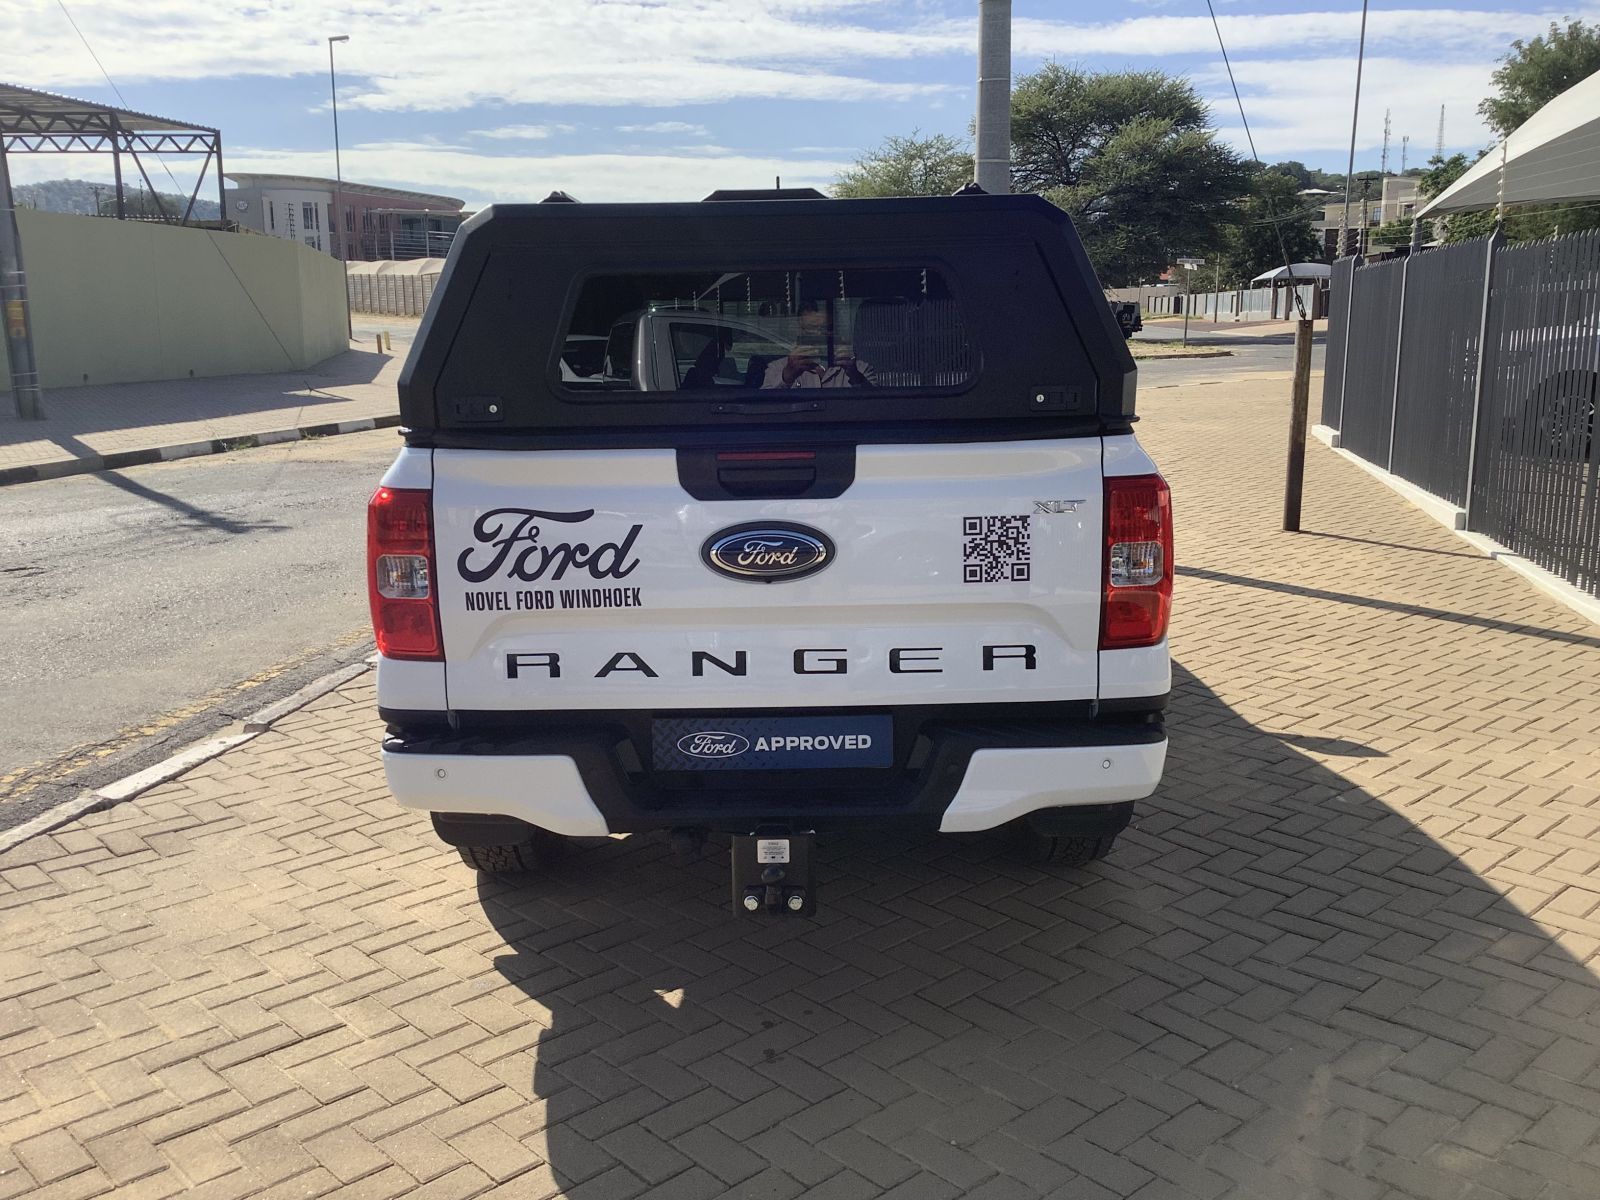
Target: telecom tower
{"points": [[1383, 167], [1438, 145]]}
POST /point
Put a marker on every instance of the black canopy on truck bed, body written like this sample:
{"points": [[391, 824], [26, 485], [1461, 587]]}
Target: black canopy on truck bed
{"points": [[975, 316]]}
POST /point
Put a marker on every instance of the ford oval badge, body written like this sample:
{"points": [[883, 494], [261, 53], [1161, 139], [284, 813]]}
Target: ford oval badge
{"points": [[713, 743], [767, 551]]}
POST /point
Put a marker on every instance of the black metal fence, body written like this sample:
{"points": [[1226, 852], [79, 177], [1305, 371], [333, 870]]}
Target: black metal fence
{"points": [[1473, 372], [1338, 319]]}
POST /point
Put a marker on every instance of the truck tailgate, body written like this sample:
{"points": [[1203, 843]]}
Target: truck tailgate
{"points": [[956, 573]]}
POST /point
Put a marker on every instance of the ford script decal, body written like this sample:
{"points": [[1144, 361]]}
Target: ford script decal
{"points": [[713, 743], [767, 551]]}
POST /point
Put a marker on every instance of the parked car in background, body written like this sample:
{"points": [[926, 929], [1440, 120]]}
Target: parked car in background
{"points": [[1129, 319]]}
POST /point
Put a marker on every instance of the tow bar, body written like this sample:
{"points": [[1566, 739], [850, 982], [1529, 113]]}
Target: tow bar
{"points": [[772, 873]]}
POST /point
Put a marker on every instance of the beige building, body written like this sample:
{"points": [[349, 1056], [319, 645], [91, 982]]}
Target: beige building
{"points": [[1396, 200]]}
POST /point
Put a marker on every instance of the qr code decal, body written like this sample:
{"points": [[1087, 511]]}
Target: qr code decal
{"points": [[996, 550]]}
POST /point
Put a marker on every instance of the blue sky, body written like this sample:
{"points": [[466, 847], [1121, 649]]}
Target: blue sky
{"points": [[668, 99]]}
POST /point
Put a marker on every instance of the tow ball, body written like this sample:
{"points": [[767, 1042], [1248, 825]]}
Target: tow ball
{"points": [[772, 873]]}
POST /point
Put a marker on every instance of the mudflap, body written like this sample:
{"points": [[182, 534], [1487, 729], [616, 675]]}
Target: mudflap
{"points": [[772, 873]]}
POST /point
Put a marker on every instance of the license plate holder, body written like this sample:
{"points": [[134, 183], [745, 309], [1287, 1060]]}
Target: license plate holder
{"points": [[780, 743]]}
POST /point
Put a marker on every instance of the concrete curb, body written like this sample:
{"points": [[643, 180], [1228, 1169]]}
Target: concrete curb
{"points": [[1201, 353], [88, 464], [130, 786], [262, 719]]}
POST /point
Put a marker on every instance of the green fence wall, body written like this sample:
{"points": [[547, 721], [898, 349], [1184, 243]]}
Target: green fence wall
{"points": [[128, 301]]}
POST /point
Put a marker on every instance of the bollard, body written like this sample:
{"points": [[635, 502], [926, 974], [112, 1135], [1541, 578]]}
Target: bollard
{"points": [[1300, 403]]}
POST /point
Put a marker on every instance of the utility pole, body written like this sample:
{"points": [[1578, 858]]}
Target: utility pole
{"points": [[1355, 116], [14, 322], [97, 188], [993, 157], [336, 234]]}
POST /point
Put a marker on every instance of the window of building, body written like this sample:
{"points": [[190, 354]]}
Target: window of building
{"points": [[349, 220], [272, 217], [308, 215]]}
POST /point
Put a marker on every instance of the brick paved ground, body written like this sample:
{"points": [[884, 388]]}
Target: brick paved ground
{"points": [[112, 418], [1346, 952]]}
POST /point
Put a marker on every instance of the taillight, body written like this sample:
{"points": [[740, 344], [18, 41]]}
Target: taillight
{"points": [[1137, 572], [400, 574]]}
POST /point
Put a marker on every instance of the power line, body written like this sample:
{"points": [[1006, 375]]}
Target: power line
{"points": [[1277, 225], [265, 323], [70, 21]]}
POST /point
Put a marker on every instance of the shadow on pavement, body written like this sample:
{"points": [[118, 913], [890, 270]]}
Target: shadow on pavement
{"points": [[1346, 537], [1276, 987], [74, 412], [186, 513], [1397, 606]]}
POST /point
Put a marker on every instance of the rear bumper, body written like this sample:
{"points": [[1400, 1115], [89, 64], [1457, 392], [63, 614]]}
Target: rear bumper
{"points": [[951, 774]]}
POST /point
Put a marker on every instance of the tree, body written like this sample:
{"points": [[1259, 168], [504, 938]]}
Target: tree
{"points": [[1274, 207], [1537, 71], [1131, 156], [909, 166], [1391, 235]]}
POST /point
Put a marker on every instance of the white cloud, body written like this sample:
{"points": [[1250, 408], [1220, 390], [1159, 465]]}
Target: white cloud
{"points": [[679, 127], [1433, 31], [1283, 123], [526, 133], [485, 178], [402, 57]]}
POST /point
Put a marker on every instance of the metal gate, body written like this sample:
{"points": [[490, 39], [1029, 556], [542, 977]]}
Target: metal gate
{"points": [[1513, 439], [1534, 486]]}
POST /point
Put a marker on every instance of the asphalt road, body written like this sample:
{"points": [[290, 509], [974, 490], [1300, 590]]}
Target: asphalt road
{"points": [[1247, 356], [134, 604]]}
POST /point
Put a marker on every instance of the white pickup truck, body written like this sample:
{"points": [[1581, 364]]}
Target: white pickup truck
{"points": [[846, 527]]}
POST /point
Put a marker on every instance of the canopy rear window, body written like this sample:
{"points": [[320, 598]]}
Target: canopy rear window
{"points": [[771, 329]]}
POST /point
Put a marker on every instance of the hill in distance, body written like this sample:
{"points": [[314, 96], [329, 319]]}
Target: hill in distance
{"points": [[77, 196]]}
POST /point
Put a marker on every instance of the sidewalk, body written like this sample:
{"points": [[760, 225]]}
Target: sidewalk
{"points": [[116, 425], [1346, 951], [1171, 329]]}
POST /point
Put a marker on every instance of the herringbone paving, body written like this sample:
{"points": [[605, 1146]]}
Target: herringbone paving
{"points": [[1346, 952]]}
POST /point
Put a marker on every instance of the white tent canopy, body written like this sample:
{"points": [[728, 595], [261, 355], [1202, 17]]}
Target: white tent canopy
{"points": [[1553, 156], [1302, 272]]}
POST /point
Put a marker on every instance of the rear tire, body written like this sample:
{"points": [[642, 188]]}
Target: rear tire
{"points": [[518, 858]]}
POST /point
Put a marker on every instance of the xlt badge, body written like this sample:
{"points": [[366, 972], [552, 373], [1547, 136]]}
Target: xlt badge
{"points": [[767, 551]]}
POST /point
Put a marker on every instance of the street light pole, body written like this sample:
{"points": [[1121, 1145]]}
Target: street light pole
{"points": [[337, 232]]}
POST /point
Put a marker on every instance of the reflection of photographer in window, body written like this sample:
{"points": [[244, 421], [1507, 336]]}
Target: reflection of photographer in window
{"points": [[814, 361]]}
